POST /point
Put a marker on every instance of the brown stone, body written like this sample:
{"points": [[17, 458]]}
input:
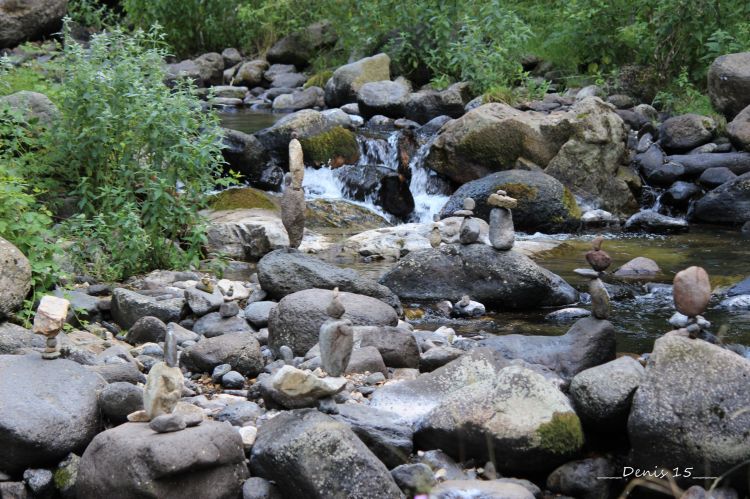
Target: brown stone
{"points": [[50, 315], [692, 291]]}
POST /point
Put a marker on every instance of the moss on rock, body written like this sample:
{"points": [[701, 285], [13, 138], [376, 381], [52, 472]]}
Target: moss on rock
{"points": [[338, 146], [562, 435], [521, 192], [243, 198], [319, 79]]}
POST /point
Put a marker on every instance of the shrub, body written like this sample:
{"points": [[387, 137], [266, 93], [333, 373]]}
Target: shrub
{"points": [[138, 156]]}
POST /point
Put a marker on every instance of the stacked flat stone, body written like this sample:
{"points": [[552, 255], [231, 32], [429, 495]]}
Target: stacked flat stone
{"points": [[691, 291], [336, 338], [469, 232], [49, 320], [293, 199], [502, 233], [599, 261]]}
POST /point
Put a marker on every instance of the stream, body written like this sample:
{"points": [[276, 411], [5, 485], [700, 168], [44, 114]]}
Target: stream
{"points": [[639, 320]]}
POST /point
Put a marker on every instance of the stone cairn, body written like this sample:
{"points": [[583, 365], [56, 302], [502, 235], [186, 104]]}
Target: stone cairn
{"points": [[436, 238], [691, 292], [336, 338], [502, 233], [469, 232], [49, 320], [599, 261], [293, 199]]}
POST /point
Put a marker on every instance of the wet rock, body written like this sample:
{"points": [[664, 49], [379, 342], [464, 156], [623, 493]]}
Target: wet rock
{"points": [[286, 451], [654, 222], [680, 194], [692, 401], [131, 461], [599, 299], [384, 433], [588, 343], [741, 288], [397, 346], [40, 482], [728, 203], [692, 291], [346, 81], [728, 85], [501, 279], [714, 177], [426, 105], [15, 280], [119, 399], [284, 272], [167, 423], [639, 267], [602, 394], [129, 306], [544, 204], [461, 488], [49, 409], [239, 413], [259, 488], [581, 478], [297, 319], [240, 350], [567, 314], [686, 131], [147, 329]]}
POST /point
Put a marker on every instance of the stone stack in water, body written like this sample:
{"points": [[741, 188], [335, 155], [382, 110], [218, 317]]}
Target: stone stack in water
{"points": [[599, 261], [293, 199], [469, 232], [502, 233], [691, 292]]}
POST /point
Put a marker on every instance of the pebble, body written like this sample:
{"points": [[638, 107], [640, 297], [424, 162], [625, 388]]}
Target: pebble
{"points": [[167, 423], [219, 372], [590, 273], [248, 434], [233, 379], [286, 354]]}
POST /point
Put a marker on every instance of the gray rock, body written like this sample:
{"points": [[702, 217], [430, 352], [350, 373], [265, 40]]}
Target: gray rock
{"points": [[229, 309], [296, 320], [201, 302], [233, 379], [686, 132], [16, 339], [246, 155], [292, 388], [567, 314], [15, 279], [714, 177], [386, 434], [147, 329], [214, 324], [387, 98], [119, 399], [426, 105], [680, 194], [602, 394], [121, 371], [366, 359], [695, 164], [414, 478], [469, 231], [599, 299], [397, 346], [129, 306], [516, 410], [580, 478], [49, 409], [502, 279], [288, 80], [40, 482], [181, 335], [728, 203], [204, 461], [211, 68], [480, 488], [438, 357], [250, 73], [346, 81], [588, 343], [257, 313], [283, 272], [502, 234], [741, 288], [728, 86], [651, 221], [438, 460], [287, 452], [259, 488], [184, 70], [692, 401], [231, 56], [240, 350], [239, 413], [67, 476], [303, 99], [30, 20], [167, 423], [83, 307], [638, 267]]}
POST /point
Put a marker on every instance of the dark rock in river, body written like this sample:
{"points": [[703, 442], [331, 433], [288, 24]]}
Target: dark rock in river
{"points": [[500, 279], [695, 164], [729, 83], [680, 194], [246, 155], [686, 132], [728, 203], [652, 221], [714, 177]]}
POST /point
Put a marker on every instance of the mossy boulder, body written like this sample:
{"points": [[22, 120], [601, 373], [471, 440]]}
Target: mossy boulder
{"points": [[300, 47], [544, 204], [346, 81], [337, 146], [340, 214], [245, 198], [517, 419]]}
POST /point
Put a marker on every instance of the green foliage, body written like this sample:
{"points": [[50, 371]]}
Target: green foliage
{"points": [[31, 76], [138, 157], [190, 26], [92, 14], [682, 97]]}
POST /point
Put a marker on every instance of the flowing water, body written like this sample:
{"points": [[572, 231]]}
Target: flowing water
{"points": [[639, 320]]}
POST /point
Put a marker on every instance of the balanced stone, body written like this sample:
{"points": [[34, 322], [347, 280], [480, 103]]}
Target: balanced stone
{"points": [[692, 291], [435, 237], [502, 233], [463, 213], [501, 200], [336, 338], [293, 211], [296, 163], [163, 390], [597, 258], [469, 204], [469, 232], [586, 273], [167, 423], [50, 318], [599, 299]]}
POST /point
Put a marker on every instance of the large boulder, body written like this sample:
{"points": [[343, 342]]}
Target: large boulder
{"points": [[426, 105], [346, 81], [309, 454], [49, 409], [245, 154], [32, 106], [738, 130], [588, 343], [592, 161], [239, 350], [284, 271], [386, 98], [493, 137], [690, 410], [729, 203], [301, 99], [250, 73], [15, 278], [131, 460], [129, 306], [16, 339], [516, 418], [729, 83], [695, 164], [686, 132], [498, 279], [300, 47], [296, 320], [544, 204], [29, 19]]}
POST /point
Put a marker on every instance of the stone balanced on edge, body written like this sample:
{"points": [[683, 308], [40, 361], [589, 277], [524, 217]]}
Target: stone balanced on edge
{"points": [[599, 261], [336, 338], [293, 199], [502, 233]]}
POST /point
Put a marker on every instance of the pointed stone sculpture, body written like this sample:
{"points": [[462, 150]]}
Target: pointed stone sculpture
{"points": [[293, 199], [502, 233], [435, 237], [49, 319], [599, 261], [164, 382], [469, 231], [336, 338], [600, 307]]}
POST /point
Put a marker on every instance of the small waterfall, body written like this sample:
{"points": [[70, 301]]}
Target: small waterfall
{"points": [[426, 205]]}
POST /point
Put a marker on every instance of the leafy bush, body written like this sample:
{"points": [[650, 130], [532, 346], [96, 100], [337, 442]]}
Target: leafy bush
{"points": [[138, 156], [92, 14]]}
